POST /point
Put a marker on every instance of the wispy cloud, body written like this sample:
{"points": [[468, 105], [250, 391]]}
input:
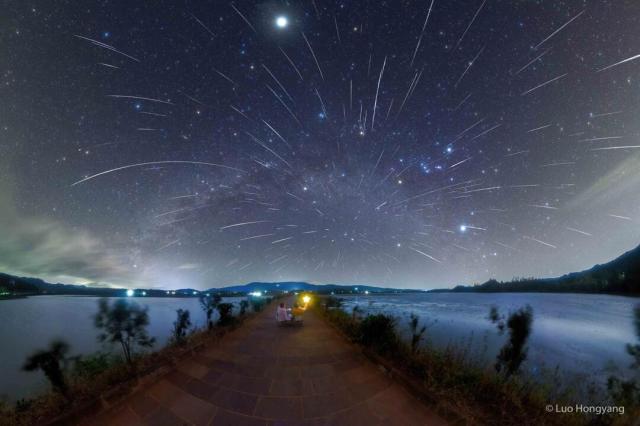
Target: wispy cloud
{"points": [[44, 248]]}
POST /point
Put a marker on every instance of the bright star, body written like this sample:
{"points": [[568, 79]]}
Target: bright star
{"points": [[282, 22]]}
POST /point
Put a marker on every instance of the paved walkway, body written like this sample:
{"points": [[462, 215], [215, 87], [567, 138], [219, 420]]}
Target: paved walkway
{"points": [[262, 374]]}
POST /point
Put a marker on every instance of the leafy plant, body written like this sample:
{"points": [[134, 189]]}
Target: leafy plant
{"points": [[208, 305], [181, 325], [124, 323], [417, 332], [226, 318], [514, 352], [378, 332], [50, 361]]}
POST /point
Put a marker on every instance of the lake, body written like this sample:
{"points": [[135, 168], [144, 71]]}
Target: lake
{"points": [[582, 334], [30, 324]]}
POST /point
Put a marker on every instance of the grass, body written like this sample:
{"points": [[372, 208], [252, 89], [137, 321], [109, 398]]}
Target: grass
{"points": [[105, 376], [459, 387]]}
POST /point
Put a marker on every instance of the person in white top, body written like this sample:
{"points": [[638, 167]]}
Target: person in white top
{"points": [[282, 314]]}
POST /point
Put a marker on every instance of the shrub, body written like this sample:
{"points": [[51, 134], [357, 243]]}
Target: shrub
{"points": [[378, 332], [90, 366], [332, 302], [514, 352], [181, 326], [417, 332], [225, 311], [244, 304], [49, 361], [257, 303], [124, 323], [356, 312], [208, 305]]}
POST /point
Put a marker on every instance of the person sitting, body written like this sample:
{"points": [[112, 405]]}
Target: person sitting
{"points": [[282, 314]]}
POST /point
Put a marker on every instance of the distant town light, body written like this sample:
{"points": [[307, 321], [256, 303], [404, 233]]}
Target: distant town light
{"points": [[195, 292], [144, 293], [366, 292], [130, 293], [256, 293]]}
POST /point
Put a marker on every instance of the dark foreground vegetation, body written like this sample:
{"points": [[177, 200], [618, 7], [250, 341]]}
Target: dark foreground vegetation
{"points": [[620, 276], [467, 392], [80, 383]]}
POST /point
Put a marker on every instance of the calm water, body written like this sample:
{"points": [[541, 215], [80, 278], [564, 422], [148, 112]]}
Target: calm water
{"points": [[583, 335], [30, 324]]}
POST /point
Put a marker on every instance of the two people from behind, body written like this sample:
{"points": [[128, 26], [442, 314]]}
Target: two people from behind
{"points": [[282, 314]]}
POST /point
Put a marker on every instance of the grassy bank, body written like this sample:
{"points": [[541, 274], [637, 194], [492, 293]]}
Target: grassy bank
{"points": [[98, 381], [460, 388]]}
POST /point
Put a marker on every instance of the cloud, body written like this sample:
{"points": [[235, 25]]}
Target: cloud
{"points": [[609, 191], [44, 248]]}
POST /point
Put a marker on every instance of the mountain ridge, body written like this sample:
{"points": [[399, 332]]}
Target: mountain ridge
{"points": [[618, 276]]}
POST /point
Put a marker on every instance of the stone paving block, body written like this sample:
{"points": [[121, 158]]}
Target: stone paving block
{"points": [[116, 416], [291, 387], [359, 415], [164, 417], [325, 405], [227, 418], [142, 404], [193, 410], [193, 369], [162, 391], [238, 402], [201, 389], [280, 408]]}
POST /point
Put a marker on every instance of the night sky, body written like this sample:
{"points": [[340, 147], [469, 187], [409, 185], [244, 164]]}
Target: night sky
{"points": [[399, 143]]}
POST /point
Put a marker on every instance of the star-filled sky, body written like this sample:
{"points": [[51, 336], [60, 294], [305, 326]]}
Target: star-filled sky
{"points": [[413, 144]]}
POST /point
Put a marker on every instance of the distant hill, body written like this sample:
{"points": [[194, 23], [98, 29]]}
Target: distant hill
{"points": [[620, 276], [13, 286], [304, 286]]}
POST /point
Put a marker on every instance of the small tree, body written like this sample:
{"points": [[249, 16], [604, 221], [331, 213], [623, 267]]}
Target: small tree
{"points": [[244, 305], [224, 309], [514, 352], [181, 325], [208, 305], [124, 323], [417, 332], [49, 361]]}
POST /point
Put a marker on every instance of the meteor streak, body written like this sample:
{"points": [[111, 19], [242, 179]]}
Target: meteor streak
{"points": [[129, 166]]}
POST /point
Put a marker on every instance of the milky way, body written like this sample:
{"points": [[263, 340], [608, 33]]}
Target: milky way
{"points": [[398, 143]]}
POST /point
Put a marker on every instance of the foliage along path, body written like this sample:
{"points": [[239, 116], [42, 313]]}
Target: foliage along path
{"points": [[262, 374]]}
